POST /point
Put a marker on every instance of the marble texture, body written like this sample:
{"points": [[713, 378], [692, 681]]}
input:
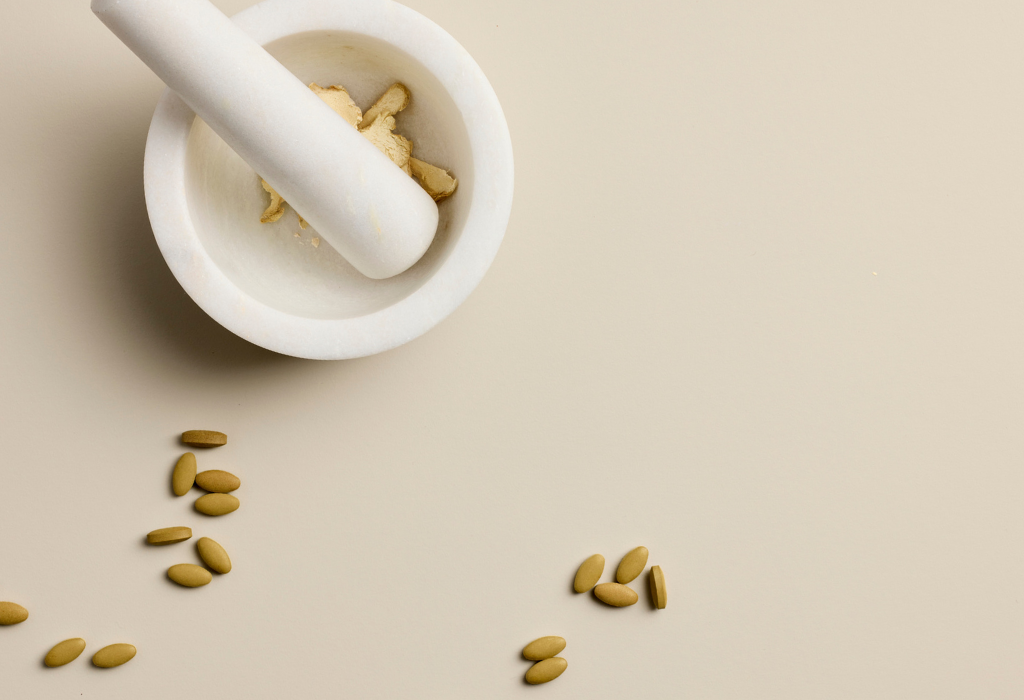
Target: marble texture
{"points": [[276, 289]]}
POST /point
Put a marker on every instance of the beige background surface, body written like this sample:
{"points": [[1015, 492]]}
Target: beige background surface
{"points": [[759, 308]]}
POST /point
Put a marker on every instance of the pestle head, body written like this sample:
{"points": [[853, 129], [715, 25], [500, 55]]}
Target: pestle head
{"points": [[360, 202]]}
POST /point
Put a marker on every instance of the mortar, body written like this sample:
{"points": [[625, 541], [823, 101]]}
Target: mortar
{"points": [[277, 290]]}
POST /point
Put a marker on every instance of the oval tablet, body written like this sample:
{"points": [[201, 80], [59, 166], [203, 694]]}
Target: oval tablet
{"points": [[632, 565], [65, 652], [543, 648], [169, 535], [12, 614], [659, 594], [217, 504], [213, 555], [546, 670], [184, 474], [113, 655], [189, 575], [588, 574], [615, 594], [217, 481], [204, 438]]}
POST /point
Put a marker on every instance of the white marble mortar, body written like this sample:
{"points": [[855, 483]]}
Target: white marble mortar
{"points": [[277, 290]]}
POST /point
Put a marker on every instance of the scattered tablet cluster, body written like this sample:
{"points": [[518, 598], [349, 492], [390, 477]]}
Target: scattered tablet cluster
{"points": [[544, 651], [218, 501]]}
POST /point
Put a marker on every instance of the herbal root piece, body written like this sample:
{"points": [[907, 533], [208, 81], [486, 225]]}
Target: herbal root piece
{"points": [[546, 670], [213, 555], [65, 652], [12, 613], [632, 565], [615, 594], [337, 98], [543, 648], [394, 100], [589, 573], [397, 148], [184, 474], [113, 655], [659, 594], [189, 575], [436, 181], [275, 210], [169, 535], [204, 438], [217, 504], [217, 481]]}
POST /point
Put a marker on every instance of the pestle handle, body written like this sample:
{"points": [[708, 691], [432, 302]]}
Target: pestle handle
{"points": [[360, 202]]}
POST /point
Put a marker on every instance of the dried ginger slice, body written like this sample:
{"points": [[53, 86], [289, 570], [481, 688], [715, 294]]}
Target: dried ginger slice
{"points": [[436, 181], [394, 100], [276, 208], [397, 148], [338, 99], [379, 126]]}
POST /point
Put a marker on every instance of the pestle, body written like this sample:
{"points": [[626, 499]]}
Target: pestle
{"points": [[360, 202]]}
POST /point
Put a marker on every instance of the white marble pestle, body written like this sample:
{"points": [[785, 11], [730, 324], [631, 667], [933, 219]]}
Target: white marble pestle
{"points": [[374, 214]]}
